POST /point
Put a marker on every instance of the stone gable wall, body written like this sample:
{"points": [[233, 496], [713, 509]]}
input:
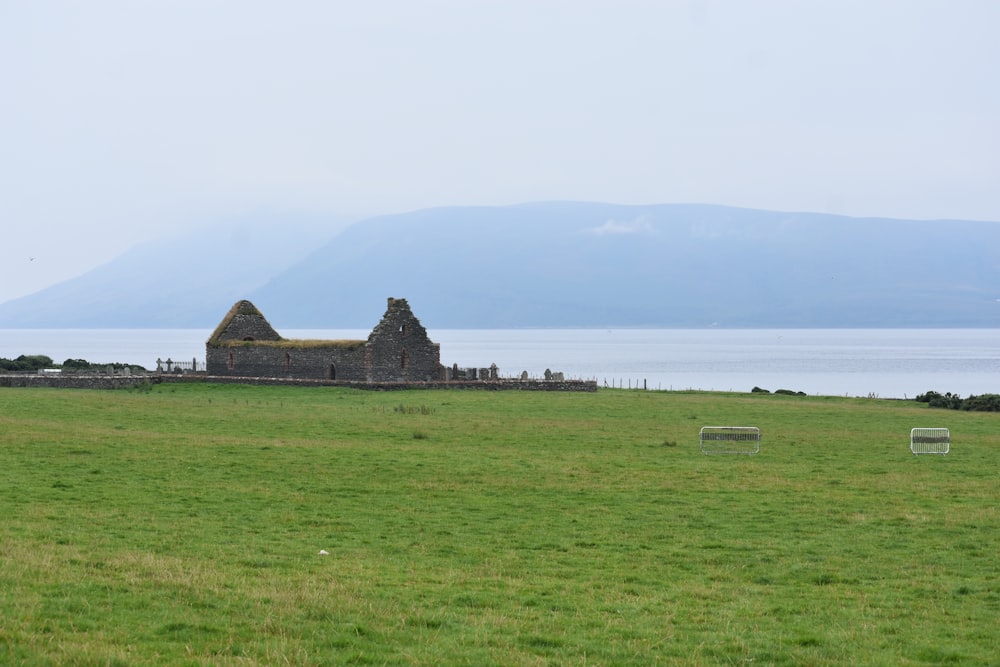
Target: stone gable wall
{"points": [[243, 326], [399, 349]]}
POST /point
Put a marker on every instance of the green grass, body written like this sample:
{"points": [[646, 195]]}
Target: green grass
{"points": [[184, 525]]}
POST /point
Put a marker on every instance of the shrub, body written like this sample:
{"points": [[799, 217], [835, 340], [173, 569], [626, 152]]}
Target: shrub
{"points": [[413, 409], [144, 387], [30, 362], [983, 403]]}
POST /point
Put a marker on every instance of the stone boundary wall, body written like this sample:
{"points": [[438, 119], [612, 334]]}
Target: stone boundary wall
{"points": [[493, 385], [79, 381], [129, 382]]}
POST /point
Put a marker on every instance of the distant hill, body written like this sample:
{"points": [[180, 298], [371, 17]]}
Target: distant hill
{"points": [[569, 264], [180, 282], [586, 265]]}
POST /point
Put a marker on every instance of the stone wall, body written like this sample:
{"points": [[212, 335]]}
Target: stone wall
{"points": [[499, 385], [252, 328], [288, 360], [128, 382], [399, 348], [79, 381]]}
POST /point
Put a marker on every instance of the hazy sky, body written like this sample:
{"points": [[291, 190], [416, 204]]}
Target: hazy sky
{"points": [[123, 120]]}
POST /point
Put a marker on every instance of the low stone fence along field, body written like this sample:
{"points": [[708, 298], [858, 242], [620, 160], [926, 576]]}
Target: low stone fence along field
{"points": [[67, 381], [482, 385]]}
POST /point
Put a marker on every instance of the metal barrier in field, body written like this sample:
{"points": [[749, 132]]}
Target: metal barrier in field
{"points": [[930, 440], [729, 440]]}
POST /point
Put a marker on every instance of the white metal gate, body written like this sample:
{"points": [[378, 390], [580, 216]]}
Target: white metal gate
{"points": [[930, 440], [729, 439]]}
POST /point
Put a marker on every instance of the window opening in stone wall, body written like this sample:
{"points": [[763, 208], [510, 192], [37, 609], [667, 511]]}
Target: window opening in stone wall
{"points": [[230, 363], [402, 329], [332, 374], [248, 339], [288, 361], [404, 359]]}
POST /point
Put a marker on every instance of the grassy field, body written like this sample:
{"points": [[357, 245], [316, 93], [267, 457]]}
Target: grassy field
{"points": [[184, 526]]}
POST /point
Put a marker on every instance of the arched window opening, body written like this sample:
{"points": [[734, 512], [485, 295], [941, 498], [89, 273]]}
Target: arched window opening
{"points": [[248, 339], [402, 329], [332, 372]]}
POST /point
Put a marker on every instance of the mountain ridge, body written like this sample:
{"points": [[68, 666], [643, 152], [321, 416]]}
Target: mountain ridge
{"points": [[570, 264]]}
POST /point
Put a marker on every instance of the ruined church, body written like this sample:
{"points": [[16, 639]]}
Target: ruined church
{"points": [[397, 350]]}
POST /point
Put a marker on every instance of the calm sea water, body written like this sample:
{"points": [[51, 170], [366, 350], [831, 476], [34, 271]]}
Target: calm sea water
{"points": [[890, 363]]}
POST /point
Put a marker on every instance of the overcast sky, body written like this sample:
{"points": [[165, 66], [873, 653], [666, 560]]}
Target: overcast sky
{"points": [[122, 121]]}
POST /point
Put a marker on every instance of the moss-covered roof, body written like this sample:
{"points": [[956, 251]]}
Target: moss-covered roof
{"points": [[293, 343], [245, 309]]}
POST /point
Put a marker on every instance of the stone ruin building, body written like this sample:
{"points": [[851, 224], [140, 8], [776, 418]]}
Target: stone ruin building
{"points": [[397, 350]]}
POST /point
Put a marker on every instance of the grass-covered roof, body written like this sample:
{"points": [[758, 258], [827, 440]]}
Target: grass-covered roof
{"points": [[246, 310]]}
